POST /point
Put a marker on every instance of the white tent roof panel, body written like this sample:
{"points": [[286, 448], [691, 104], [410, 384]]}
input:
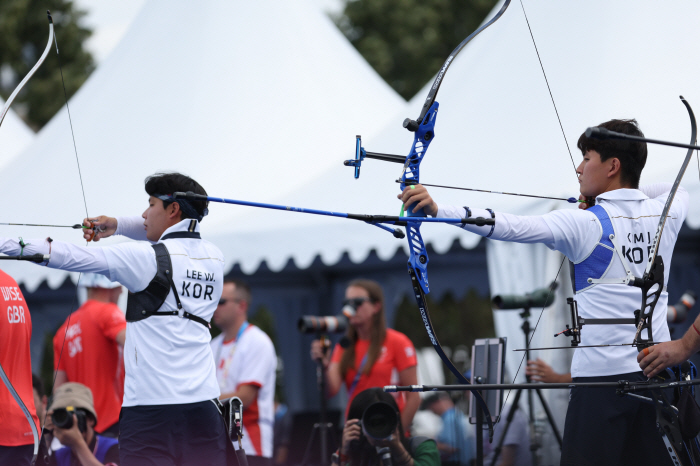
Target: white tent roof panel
{"points": [[496, 127], [15, 136], [249, 99]]}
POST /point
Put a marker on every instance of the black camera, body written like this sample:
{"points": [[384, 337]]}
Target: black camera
{"points": [[379, 421], [63, 418], [318, 324]]}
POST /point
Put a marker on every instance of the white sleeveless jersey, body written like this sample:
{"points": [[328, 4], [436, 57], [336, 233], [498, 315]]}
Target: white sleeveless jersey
{"points": [[634, 217], [168, 359]]}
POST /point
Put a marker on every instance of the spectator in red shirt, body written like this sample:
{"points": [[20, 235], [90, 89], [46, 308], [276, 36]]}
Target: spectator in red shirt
{"points": [[88, 350], [16, 434], [376, 356]]}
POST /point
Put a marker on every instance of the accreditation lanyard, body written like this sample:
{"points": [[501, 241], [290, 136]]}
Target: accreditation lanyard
{"points": [[353, 385], [232, 350]]}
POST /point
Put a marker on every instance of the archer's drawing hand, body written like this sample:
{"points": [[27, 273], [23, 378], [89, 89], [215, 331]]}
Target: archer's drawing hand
{"points": [[416, 197], [656, 358], [583, 205], [99, 227]]}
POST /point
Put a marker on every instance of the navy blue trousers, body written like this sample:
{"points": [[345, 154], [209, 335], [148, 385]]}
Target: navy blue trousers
{"points": [[19, 456], [172, 435], [605, 429]]}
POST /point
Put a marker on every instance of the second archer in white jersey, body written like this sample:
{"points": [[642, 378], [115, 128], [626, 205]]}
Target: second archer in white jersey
{"points": [[603, 242]]}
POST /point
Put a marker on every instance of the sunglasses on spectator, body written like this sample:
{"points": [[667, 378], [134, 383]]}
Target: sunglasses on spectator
{"points": [[355, 302], [223, 301]]}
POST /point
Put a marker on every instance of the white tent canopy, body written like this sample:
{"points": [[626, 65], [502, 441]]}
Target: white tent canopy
{"points": [[497, 129], [252, 99], [15, 136]]}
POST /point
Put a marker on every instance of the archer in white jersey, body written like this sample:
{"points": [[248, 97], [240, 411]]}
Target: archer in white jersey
{"points": [[169, 412], [601, 428]]}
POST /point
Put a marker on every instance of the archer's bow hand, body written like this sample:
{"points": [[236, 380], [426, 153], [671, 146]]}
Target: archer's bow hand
{"points": [[655, 359], [99, 227], [416, 197]]}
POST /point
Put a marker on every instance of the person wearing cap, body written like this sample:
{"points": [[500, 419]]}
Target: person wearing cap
{"points": [[245, 367], [87, 349], [170, 413], [82, 445]]}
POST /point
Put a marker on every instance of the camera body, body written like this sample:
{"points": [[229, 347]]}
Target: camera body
{"points": [[63, 418]]}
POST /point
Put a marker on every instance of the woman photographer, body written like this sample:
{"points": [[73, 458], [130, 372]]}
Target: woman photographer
{"points": [[362, 441], [371, 355]]}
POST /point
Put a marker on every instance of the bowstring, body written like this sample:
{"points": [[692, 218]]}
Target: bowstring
{"points": [[568, 148], [82, 188], [549, 89]]}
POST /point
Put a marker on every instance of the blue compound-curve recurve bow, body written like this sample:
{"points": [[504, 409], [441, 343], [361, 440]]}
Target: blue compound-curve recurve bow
{"points": [[423, 129]]}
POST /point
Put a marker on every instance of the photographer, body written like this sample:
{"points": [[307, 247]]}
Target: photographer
{"points": [[374, 355], [359, 449], [72, 418]]}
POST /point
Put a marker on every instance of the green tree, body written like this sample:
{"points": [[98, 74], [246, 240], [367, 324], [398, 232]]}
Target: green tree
{"points": [[407, 41], [265, 321], [24, 31]]}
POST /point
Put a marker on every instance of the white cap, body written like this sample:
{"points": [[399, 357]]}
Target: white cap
{"points": [[96, 280]]}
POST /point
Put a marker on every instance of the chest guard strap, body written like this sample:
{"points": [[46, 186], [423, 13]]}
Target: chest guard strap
{"points": [[146, 303], [599, 261]]}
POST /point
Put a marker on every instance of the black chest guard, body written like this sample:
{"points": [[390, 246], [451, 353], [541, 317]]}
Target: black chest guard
{"points": [[146, 303]]}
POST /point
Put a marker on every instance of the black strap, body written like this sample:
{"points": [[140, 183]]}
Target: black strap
{"points": [[156, 292], [185, 314]]}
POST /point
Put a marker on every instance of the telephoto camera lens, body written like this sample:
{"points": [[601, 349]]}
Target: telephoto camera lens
{"points": [[322, 324], [379, 421], [63, 418]]}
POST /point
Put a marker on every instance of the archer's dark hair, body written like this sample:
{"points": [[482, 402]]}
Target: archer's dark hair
{"points": [[377, 331], [365, 453], [631, 154], [168, 183], [242, 289]]}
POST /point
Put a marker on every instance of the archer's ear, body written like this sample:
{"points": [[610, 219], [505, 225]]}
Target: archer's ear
{"points": [[615, 167], [174, 210]]}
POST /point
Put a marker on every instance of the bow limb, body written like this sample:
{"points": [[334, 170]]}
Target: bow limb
{"points": [[416, 270], [19, 87], [418, 255], [6, 108], [652, 282], [25, 410], [432, 94]]}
